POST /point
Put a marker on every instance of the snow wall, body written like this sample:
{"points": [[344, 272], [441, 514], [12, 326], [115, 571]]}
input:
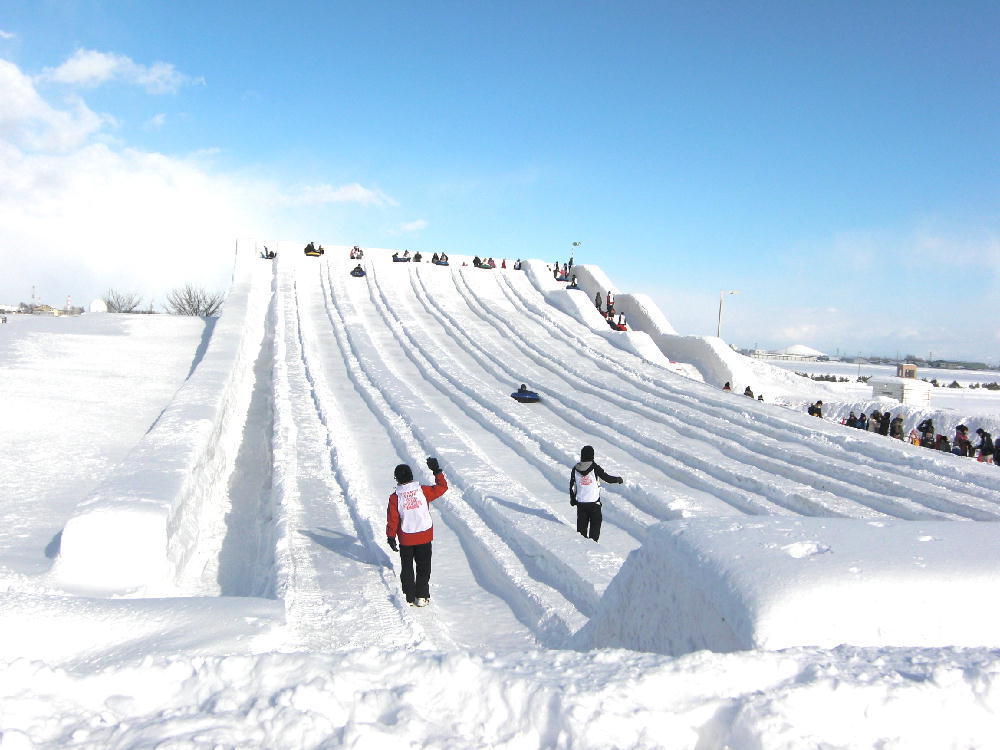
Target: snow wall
{"points": [[715, 362], [579, 306], [732, 584], [140, 526]]}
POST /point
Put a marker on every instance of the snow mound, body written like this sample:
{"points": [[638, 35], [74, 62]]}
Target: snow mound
{"points": [[98, 306], [800, 350], [773, 583]]}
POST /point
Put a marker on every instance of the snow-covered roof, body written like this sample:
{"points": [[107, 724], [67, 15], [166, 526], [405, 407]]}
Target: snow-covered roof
{"points": [[800, 350]]}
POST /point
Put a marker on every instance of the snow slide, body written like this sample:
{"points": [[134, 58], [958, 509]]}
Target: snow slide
{"points": [[316, 384]]}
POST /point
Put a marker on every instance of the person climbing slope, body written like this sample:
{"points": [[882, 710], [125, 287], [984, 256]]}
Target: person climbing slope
{"points": [[409, 517], [585, 493]]}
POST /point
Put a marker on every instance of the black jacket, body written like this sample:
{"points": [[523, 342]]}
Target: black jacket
{"points": [[585, 467]]}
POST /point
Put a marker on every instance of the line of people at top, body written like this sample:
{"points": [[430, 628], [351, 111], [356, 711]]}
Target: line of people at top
{"points": [[609, 313], [438, 259]]}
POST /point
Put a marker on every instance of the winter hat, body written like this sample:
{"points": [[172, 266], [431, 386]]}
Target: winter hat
{"points": [[587, 453], [403, 474]]}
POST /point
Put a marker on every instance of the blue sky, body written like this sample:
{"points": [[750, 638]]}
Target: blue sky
{"points": [[835, 162]]}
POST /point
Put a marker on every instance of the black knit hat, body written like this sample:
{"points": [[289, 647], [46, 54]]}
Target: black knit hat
{"points": [[403, 474], [587, 453]]}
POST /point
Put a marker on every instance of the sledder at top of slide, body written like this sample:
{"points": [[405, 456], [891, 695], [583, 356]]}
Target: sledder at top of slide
{"points": [[523, 396], [312, 251], [404, 258]]}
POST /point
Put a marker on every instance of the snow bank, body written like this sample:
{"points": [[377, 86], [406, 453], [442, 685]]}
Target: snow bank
{"points": [[734, 584], [609, 699], [141, 526]]}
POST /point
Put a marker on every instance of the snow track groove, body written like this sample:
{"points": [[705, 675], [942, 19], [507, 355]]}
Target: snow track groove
{"points": [[800, 499], [550, 455], [312, 499], [832, 454], [533, 582], [901, 497], [666, 503]]}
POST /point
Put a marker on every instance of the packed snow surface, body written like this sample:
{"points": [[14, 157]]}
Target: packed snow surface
{"points": [[214, 498]]}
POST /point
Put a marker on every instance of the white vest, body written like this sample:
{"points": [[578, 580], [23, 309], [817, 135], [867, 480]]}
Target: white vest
{"points": [[588, 487], [414, 515]]}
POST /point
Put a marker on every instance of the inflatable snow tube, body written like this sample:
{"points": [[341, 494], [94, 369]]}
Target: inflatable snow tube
{"points": [[401, 260], [357, 274], [525, 397], [440, 262], [313, 253]]}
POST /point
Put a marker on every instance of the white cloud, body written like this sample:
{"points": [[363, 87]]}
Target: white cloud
{"points": [[28, 121], [78, 215], [90, 68], [413, 226], [156, 121], [80, 212], [316, 195], [6, 34]]}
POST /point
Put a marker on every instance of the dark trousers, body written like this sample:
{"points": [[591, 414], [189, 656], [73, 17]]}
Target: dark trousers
{"points": [[588, 519], [419, 588]]}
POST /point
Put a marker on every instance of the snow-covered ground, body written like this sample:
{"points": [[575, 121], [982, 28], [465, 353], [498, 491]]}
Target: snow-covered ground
{"points": [[764, 579]]}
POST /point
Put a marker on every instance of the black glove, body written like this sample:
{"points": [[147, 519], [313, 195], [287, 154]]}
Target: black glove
{"points": [[572, 501], [392, 543], [433, 465]]}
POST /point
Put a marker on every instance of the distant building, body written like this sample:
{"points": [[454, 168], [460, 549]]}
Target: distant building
{"points": [[907, 390], [797, 352], [906, 370]]}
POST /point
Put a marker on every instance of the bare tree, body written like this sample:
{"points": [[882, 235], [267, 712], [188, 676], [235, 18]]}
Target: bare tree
{"points": [[121, 302], [193, 300]]}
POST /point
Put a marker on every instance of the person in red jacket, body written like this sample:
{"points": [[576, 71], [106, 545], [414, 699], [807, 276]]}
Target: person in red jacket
{"points": [[409, 517]]}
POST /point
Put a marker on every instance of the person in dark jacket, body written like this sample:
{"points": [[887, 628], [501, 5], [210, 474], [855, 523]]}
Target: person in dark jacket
{"points": [[409, 517], [748, 392], [985, 447], [926, 430], [896, 428], [862, 423], [585, 492], [883, 425]]}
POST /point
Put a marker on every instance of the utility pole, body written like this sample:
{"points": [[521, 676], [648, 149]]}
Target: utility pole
{"points": [[722, 294]]}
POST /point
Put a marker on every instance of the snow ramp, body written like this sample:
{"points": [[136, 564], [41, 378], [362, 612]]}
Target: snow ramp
{"points": [[323, 382], [143, 524]]}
